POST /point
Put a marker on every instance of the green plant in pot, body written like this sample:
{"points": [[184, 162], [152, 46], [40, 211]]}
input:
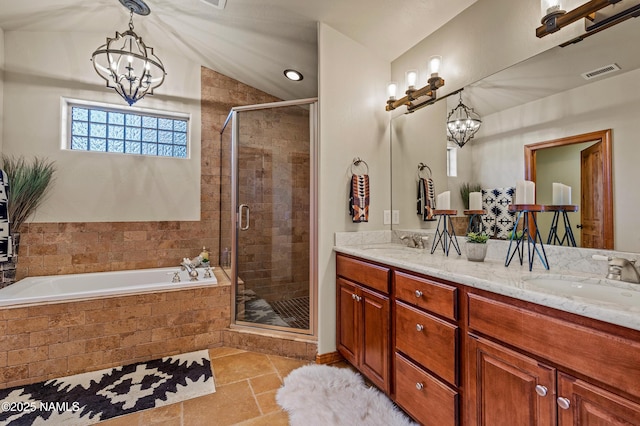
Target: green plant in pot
{"points": [[28, 184], [476, 246], [467, 188]]}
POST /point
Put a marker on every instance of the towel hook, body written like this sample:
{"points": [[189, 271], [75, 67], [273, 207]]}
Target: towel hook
{"points": [[421, 167], [356, 162]]}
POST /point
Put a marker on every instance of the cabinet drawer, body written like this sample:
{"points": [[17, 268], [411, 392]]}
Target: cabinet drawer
{"points": [[423, 396], [428, 340], [434, 297], [376, 277], [610, 359]]}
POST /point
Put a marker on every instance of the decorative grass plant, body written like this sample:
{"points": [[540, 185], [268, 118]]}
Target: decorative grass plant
{"points": [[467, 188], [28, 183]]}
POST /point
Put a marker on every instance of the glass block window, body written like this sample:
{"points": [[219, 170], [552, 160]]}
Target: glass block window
{"points": [[102, 129]]}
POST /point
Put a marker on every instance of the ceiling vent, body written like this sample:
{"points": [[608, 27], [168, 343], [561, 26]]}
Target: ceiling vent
{"points": [[607, 69], [218, 4]]}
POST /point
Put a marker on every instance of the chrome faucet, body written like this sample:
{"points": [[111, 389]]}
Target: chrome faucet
{"points": [[623, 270], [415, 240], [191, 270]]}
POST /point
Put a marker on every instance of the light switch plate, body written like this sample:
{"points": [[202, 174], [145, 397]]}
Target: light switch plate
{"points": [[395, 217], [386, 219]]}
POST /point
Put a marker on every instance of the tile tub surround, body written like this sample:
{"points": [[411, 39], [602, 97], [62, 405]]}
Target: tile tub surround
{"points": [[41, 342], [493, 276]]}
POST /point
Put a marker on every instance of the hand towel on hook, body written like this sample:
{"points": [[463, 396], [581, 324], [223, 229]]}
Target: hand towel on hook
{"points": [[359, 198], [426, 199]]}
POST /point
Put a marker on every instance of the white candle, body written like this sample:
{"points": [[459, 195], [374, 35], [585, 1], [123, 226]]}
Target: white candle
{"points": [[475, 201], [443, 201], [558, 194], [566, 195], [529, 192], [525, 192]]}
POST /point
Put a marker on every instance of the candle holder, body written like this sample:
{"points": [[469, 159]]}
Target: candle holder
{"points": [[532, 238], [553, 232], [443, 236]]}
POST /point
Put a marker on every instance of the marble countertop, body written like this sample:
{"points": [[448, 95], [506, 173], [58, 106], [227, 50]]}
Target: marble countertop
{"points": [[493, 276]]}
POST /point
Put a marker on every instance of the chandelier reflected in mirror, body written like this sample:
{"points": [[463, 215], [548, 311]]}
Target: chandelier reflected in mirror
{"points": [[462, 124], [127, 64]]}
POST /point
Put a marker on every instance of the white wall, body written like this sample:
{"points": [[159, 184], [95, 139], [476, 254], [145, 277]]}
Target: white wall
{"points": [[43, 67], [353, 123], [498, 155]]}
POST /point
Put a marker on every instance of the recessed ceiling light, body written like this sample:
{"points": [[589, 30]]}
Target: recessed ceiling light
{"points": [[293, 75]]}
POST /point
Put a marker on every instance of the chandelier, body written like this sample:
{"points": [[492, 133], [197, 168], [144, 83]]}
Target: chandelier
{"points": [[462, 124], [126, 63]]}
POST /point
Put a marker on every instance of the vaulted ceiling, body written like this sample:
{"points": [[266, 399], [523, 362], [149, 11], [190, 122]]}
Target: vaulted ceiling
{"points": [[252, 41]]}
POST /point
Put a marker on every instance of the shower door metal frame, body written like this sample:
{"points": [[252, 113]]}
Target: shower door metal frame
{"points": [[313, 219]]}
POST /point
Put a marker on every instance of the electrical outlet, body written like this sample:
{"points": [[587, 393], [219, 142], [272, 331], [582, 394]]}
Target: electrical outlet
{"points": [[395, 217], [386, 219]]}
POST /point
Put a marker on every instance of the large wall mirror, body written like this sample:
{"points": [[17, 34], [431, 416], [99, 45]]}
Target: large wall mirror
{"points": [[565, 92]]}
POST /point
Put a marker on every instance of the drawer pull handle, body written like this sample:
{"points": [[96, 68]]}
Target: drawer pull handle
{"points": [[419, 327], [564, 403], [353, 296], [358, 298], [541, 390], [419, 386], [418, 293]]}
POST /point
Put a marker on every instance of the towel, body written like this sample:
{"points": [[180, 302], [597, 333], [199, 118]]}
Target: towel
{"points": [[359, 198], [426, 202]]}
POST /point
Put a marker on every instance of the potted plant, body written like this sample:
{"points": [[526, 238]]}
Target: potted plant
{"points": [[28, 183], [476, 246]]}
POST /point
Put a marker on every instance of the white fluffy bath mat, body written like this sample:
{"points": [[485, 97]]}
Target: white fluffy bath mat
{"points": [[322, 395], [87, 398]]}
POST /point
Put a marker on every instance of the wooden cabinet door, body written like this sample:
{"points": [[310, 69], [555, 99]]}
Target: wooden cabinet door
{"points": [[348, 320], [581, 403], [502, 387], [375, 334]]}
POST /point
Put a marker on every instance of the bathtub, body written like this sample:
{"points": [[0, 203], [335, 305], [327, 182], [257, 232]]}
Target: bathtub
{"points": [[97, 284]]}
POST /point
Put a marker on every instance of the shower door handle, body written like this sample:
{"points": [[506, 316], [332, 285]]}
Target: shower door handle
{"points": [[247, 210]]}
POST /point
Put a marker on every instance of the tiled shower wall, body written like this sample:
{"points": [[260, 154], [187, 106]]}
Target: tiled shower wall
{"points": [[66, 248]]}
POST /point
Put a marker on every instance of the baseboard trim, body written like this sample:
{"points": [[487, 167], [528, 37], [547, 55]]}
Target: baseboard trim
{"points": [[329, 358]]}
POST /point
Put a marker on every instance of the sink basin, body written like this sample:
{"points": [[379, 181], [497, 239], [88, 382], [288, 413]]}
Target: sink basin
{"points": [[390, 249], [585, 290]]}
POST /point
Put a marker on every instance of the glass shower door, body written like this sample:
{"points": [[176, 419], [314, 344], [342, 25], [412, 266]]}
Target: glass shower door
{"points": [[272, 155]]}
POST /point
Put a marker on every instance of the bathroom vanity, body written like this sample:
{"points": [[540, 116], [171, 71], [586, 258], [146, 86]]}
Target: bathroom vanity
{"points": [[455, 342]]}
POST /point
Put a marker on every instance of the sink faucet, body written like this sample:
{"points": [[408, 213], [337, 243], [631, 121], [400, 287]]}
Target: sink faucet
{"points": [[415, 240], [623, 270]]}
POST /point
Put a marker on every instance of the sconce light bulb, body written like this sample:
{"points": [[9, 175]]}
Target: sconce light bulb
{"points": [[412, 78], [434, 64], [392, 90]]}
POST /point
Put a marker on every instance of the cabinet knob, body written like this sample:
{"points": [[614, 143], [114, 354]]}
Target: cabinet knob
{"points": [[358, 298], [564, 403], [353, 296], [418, 293], [419, 327], [541, 390], [419, 386]]}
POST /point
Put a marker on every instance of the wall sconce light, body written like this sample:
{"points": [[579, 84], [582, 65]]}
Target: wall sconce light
{"points": [[416, 98], [462, 124], [597, 19]]}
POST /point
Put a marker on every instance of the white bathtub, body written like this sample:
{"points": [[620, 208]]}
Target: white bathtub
{"points": [[98, 284]]}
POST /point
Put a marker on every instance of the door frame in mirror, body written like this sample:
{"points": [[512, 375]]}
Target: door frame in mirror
{"points": [[602, 137]]}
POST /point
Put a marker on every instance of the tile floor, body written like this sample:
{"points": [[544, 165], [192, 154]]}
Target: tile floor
{"points": [[246, 385]]}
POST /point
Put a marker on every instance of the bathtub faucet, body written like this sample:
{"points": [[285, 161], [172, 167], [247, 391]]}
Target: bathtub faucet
{"points": [[191, 270]]}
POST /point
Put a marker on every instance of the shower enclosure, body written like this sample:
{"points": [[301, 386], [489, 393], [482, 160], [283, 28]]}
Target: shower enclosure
{"points": [[267, 205]]}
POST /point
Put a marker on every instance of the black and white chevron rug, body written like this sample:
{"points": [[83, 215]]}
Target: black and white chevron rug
{"points": [[88, 398]]}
